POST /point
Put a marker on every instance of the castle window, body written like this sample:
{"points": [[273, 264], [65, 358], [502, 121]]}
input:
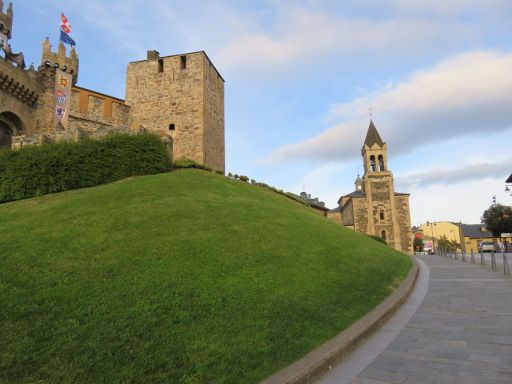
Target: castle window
{"points": [[373, 165], [183, 62], [160, 65], [383, 234], [381, 163], [382, 215], [172, 127]]}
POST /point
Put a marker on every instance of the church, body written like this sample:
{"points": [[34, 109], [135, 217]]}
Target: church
{"points": [[374, 207]]}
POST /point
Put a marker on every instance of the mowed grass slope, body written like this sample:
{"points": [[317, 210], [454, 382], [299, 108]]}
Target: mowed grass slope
{"points": [[185, 277]]}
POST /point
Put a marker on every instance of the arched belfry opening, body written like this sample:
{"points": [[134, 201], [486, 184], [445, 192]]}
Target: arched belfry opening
{"points": [[382, 167], [10, 126]]}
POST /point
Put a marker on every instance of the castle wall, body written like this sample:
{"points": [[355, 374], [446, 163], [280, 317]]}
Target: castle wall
{"points": [[96, 115]]}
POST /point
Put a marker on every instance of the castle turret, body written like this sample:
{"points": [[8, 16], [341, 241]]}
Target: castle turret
{"points": [[60, 59], [6, 20]]}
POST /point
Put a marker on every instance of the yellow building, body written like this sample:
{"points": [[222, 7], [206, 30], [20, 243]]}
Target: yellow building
{"points": [[439, 229], [473, 234]]}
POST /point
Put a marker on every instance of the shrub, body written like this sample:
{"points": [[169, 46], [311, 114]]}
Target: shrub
{"points": [[189, 163], [38, 170], [244, 178], [219, 172], [253, 181], [235, 176], [230, 175], [184, 163]]}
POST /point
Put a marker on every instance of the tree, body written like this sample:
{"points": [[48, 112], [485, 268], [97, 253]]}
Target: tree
{"points": [[446, 244], [498, 219], [418, 244]]}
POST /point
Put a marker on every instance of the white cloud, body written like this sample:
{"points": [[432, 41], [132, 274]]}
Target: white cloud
{"points": [[460, 96], [466, 173], [304, 36]]}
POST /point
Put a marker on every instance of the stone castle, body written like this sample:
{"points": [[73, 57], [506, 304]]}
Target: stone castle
{"points": [[179, 97], [374, 207]]}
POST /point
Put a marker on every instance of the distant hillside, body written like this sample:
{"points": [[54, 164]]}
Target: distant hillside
{"points": [[183, 277]]}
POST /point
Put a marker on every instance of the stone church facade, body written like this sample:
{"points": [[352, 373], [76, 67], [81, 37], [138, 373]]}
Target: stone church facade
{"points": [[374, 207], [178, 97]]}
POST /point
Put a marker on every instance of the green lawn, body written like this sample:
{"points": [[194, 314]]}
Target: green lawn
{"points": [[184, 277]]}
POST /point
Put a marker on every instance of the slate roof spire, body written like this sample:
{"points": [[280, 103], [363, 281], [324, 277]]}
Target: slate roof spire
{"points": [[373, 137]]}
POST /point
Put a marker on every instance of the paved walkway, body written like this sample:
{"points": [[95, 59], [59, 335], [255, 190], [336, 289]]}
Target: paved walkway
{"points": [[461, 332]]}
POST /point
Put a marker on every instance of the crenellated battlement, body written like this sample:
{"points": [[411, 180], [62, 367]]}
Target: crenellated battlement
{"points": [[21, 84], [60, 59], [6, 19]]}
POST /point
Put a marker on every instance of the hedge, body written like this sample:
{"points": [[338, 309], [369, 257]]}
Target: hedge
{"points": [[38, 170]]}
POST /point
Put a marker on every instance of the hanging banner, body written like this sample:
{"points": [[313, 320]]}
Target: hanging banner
{"points": [[3, 42], [62, 98]]}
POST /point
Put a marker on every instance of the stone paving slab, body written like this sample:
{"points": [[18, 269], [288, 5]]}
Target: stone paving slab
{"points": [[461, 333]]}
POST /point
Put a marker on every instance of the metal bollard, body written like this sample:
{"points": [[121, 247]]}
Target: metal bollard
{"points": [[472, 257], [463, 256], [456, 255], [482, 259], [493, 261], [506, 269]]}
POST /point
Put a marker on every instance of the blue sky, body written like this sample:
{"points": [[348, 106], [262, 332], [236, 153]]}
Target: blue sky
{"points": [[300, 76]]}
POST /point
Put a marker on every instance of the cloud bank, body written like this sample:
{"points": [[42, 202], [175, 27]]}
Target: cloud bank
{"points": [[463, 95]]}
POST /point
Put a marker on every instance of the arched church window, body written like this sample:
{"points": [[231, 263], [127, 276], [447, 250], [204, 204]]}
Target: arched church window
{"points": [[373, 165], [382, 214], [381, 163], [383, 234]]}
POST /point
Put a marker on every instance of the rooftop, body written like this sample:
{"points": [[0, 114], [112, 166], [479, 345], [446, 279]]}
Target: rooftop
{"points": [[475, 231]]}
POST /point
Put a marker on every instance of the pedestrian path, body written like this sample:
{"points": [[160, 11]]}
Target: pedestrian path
{"points": [[460, 333]]}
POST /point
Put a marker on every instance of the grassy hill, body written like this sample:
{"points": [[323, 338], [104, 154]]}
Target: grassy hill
{"points": [[184, 277]]}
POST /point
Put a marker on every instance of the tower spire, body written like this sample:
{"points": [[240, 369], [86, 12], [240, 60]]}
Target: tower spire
{"points": [[372, 136]]}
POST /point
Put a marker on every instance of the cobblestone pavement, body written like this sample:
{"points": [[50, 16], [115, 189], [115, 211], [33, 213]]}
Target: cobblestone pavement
{"points": [[461, 333]]}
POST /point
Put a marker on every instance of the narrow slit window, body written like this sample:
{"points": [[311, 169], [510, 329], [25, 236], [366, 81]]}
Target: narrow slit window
{"points": [[183, 62], [160, 65], [172, 127], [382, 215]]}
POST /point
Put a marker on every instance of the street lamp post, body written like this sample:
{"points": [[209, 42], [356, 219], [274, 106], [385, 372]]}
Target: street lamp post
{"points": [[431, 225]]}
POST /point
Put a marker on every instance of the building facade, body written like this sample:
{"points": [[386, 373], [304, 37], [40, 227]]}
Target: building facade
{"points": [[180, 98], [374, 207]]}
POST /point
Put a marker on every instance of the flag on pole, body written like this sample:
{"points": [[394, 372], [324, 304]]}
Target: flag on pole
{"points": [[64, 24], [65, 30]]}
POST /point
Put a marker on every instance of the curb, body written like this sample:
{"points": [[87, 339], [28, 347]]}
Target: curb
{"points": [[320, 359]]}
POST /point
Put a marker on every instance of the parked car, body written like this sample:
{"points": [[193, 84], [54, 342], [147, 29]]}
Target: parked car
{"points": [[487, 246]]}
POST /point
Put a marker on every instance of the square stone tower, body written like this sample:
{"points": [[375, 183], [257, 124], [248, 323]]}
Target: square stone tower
{"points": [[181, 97]]}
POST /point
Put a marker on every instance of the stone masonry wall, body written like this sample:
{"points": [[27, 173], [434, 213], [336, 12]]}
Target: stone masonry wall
{"points": [[404, 220], [96, 115], [166, 93], [361, 215], [348, 213], [213, 117], [336, 217], [380, 193]]}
